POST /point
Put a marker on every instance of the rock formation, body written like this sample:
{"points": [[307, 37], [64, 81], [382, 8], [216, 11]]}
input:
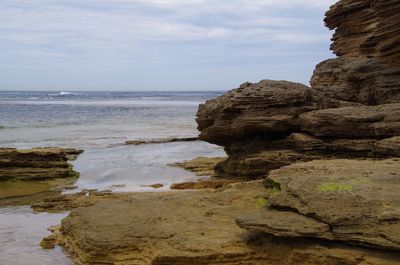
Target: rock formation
{"points": [[36, 163], [195, 227], [271, 124], [351, 110], [367, 41], [355, 201]]}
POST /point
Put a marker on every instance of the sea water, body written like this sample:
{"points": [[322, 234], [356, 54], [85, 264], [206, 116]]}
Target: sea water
{"points": [[99, 123]]}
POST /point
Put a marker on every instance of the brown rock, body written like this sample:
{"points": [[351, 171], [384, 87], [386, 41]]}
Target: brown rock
{"points": [[340, 200], [267, 108], [367, 41], [257, 165], [203, 184], [194, 227], [354, 122], [36, 163], [156, 186], [201, 166], [67, 202], [390, 146], [49, 242]]}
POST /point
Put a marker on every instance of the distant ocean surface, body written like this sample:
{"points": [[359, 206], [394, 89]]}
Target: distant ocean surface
{"points": [[100, 123], [82, 119]]}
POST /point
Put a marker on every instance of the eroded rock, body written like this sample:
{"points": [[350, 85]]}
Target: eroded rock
{"points": [[201, 166], [196, 227], [354, 122], [367, 41], [36, 163], [355, 201]]}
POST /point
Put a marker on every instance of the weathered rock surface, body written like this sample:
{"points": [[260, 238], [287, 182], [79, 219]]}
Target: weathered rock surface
{"points": [[367, 41], [255, 165], [255, 146], [354, 122], [67, 202], [255, 122], [355, 201], [196, 227], [201, 166], [36, 163], [267, 108], [204, 184]]}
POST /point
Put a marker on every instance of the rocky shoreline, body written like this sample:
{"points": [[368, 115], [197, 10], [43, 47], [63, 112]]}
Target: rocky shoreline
{"points": [[312, 174], [204, 227]]}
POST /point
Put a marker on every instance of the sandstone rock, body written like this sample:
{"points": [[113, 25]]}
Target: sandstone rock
{"points": [[340, 200], [204, 184], [354, 122], [256, 165], [362, 80], [194, 227], [36, 163], [365, 28], [201, 166], [156, 186], [67, 202], [267, 108], [389, 146], [49, 242], [366, 39]]}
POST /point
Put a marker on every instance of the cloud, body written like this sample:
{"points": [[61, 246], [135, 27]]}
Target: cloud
{"points": [[157, 31], [42, 21]]}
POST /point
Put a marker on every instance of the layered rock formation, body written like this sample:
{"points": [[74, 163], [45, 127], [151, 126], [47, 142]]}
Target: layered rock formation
{"points": [[351, 110], [367, 41], [355, 201], [36, 163], [196, 227], [271, 124]]}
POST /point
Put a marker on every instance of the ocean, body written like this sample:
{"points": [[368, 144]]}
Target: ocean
{"points": [[99, 123], [89, 119]]}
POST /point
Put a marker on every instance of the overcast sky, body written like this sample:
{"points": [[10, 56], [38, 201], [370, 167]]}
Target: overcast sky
{"points": [[158, 44]]}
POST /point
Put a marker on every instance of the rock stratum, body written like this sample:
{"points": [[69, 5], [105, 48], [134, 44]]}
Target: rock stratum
{"points": [[195, 227], [36, 164], [354, 201], [327, 155], [367, 41]]}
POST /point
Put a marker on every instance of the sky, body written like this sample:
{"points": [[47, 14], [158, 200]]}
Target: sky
{"points": [[116, 45]]}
